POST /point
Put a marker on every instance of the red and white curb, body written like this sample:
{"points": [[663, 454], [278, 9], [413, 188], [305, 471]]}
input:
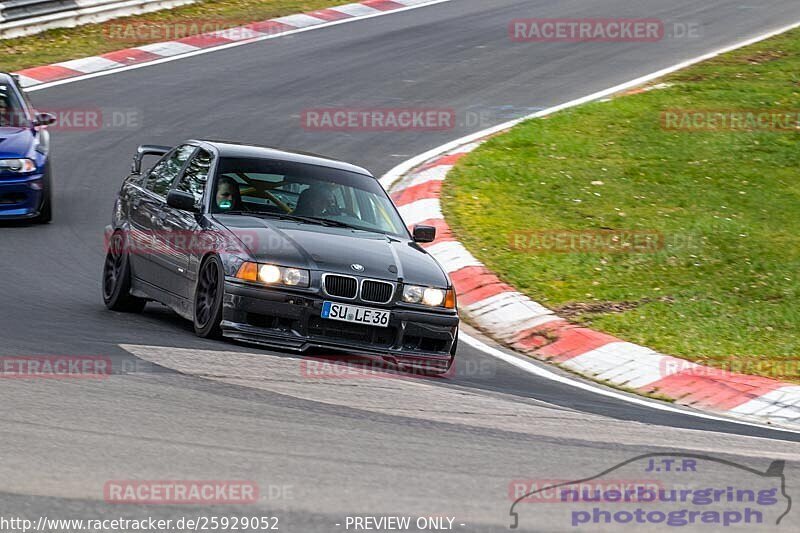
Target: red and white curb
{"points": [[528, 327], [254, 32]]}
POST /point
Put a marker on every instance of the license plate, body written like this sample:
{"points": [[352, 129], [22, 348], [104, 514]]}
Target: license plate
{"points": [[356, 314]]}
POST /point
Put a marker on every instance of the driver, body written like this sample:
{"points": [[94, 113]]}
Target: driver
{"points": [[228, 196], [5, 120], [10, 113]]}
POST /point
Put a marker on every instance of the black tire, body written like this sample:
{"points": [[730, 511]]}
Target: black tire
{"points": [[208, 299], [46, 210], [117, 279]]}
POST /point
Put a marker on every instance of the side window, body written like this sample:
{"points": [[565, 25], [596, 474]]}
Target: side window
{"points": [[196, 175], [12, 114], [165, 172]]}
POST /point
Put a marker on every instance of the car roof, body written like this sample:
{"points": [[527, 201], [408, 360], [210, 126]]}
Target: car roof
{"points": [[234, 149]]}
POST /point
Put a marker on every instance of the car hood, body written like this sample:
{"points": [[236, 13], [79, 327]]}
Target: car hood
{"points": [[330, 249], [15, 142]]}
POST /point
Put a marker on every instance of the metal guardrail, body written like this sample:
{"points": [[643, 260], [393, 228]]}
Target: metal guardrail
{"points": [[21, 9], [26, 17]]}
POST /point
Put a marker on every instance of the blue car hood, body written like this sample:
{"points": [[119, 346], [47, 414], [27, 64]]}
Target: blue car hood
{"points": [[16, 142]]}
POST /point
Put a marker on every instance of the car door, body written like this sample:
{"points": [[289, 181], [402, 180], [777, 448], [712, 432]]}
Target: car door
{"points": [[140, 234], [42, 134], [188, 242], [152, 262]]}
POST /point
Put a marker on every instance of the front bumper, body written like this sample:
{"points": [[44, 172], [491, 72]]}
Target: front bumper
{"points": [[18, 199], [282, 318]]}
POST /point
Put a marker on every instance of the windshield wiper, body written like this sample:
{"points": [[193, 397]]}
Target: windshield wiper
{"points": [[316, 220], [239, 212], [287, 216]]}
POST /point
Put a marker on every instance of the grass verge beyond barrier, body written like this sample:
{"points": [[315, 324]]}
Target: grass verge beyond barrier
{"points": [[62, 44], [684, 240]]}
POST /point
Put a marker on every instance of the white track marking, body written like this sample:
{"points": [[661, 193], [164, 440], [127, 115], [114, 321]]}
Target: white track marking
{"points": [[300, 20], [452, 256], [437, 173], [237, 34], [537, 370], [88, 65], [421, 210], [168, 49], [780, 403], [355, 10]]}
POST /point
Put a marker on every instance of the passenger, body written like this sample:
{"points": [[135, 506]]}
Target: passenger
{"points": [[313, 202]]}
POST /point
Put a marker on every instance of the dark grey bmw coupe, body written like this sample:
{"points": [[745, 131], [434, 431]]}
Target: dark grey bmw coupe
{"points": [[281, 249]]}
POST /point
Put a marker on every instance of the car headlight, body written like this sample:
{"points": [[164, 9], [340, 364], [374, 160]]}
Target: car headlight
{"points": [[433, 297], [269, 274], [429, 296], [274, 275], [19, 166]]}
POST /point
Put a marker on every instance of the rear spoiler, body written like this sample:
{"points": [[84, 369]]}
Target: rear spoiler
{"points": [[147, 149], [13, 76]]}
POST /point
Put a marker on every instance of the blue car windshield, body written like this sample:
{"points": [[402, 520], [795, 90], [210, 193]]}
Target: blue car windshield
{"points": [[12, 114], [335, 196]]}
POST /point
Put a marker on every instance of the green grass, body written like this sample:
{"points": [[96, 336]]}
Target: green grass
{"points": [[725, 288], [72, 43]]}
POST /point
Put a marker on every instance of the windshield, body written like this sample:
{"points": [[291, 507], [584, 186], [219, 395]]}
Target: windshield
{"points": [[11, 112], [304, 192]]}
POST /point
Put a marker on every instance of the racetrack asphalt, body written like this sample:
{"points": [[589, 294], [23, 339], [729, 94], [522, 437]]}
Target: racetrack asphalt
{"points": [[183, 408]]}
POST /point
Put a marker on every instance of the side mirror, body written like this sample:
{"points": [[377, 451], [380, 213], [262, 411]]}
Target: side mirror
{"points": [[181, 200], [424, 234], [147, 149], [44, 119]]}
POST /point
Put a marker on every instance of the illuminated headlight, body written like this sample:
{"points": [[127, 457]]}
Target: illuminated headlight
{"points": [[17, 165], [433, 297], [274, 275], [269, 274], [428, 296]]}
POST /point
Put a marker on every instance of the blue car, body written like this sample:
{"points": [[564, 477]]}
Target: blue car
{"points": [[25, 181]]}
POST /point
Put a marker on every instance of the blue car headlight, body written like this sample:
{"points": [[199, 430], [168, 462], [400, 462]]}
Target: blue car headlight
{"points": [[17, 166]]}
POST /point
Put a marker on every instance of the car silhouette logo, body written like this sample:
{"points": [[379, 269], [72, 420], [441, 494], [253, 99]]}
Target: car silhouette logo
{"points": [[357, 267]]}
